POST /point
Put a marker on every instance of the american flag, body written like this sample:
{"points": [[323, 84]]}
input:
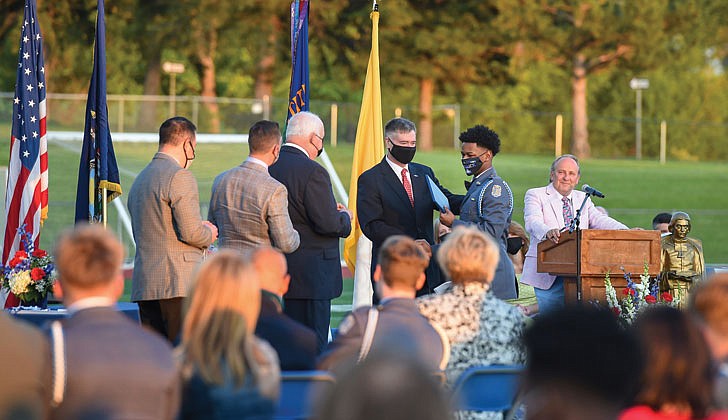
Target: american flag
{"points": [[26, 199]]}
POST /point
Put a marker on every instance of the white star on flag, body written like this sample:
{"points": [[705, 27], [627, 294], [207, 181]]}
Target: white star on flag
{"points": [[26, 55], [35, 134], [27, 72], [41, 85], [31, 103], [25, 38], [24, 138], [32, 118], [30, 88], [16, 100], [26, 153]]}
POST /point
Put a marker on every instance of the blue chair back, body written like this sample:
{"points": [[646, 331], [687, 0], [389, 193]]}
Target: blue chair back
{"points": [[299, 390], [487, 388]]}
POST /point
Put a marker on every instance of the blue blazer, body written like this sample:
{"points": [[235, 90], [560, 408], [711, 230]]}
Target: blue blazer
{"points": [[383, 208], [294, 342], [315, 267]]}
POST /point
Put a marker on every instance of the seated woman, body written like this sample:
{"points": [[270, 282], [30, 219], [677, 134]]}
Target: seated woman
{"points": [[228, 372], [678, 376], [482, 329], [518, 244]]}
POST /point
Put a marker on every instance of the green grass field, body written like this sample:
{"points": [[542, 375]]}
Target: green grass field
{"points": [[635, 190]]}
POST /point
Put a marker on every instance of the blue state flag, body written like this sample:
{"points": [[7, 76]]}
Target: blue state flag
{"points": [[299, 91], [98, 169]]}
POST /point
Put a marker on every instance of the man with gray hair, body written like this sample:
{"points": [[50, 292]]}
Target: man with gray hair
{"points": [[315, 267], [394, 198], [549, 211]]}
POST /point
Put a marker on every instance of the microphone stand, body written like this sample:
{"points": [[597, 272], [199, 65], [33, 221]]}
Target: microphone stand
{"points": [[574, 227]]}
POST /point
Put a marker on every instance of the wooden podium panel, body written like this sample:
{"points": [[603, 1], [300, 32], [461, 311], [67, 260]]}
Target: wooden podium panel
{"points": [[602, 251]]}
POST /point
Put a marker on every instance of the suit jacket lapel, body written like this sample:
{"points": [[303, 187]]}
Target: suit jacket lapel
{"points": [[557, 206], [394, 183], [419, 186]]}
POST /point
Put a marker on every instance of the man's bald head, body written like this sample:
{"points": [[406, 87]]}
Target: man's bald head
{"points": [[272, 270]]}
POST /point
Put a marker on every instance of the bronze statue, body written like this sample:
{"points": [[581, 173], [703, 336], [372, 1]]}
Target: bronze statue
{"points": [[682, 258]]}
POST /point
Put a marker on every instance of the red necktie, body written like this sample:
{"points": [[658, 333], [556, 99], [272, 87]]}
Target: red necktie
{"points": [[407, 186]]}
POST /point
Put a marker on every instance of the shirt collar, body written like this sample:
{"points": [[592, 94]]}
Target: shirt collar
{"points": [[295, 146], [89, 302], [396, 168], [482, 173], [256, 161]]}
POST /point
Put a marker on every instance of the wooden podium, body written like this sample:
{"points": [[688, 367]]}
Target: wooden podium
{"points": [[601, 251]]}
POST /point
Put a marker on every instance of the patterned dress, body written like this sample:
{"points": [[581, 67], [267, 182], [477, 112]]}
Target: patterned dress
{"points": [[482, 329]]}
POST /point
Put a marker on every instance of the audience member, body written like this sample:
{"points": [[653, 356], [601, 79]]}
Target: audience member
{"points": [[683, 265], [660, 222], [294, 342], [549, 211], [228, 372], [394, 199], [248, 206], [518, 243], [315, 267], [708, 306], [582, 364], [488, 203], [678, 379], [386, 386], [113, 368], [395, 323], [170, 236], [482, 329], [26, 371]]}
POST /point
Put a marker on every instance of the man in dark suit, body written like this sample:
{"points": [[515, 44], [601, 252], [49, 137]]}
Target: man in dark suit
{"points": [[113, 367], [394, 198], [396, 323], [315, 267], [294, 342]]}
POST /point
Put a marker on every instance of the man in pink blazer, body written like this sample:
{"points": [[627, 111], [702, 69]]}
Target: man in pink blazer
{"points": [[548, 211]]}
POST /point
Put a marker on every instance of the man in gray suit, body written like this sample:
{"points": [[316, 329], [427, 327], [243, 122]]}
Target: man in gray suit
{"points": [[113, 367], [171, 238], [248, 206]]}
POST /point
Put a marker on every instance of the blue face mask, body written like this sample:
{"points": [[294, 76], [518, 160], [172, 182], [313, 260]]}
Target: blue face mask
{"points": [[471, 165]]}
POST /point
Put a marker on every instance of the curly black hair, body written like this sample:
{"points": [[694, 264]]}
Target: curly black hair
{"points": [[483, 137]]}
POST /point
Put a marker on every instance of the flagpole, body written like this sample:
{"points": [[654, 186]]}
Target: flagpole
{"points": [[375, 6], [104, 206]]}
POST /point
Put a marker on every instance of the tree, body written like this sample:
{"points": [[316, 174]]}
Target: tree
{"points": [[582, 37]]}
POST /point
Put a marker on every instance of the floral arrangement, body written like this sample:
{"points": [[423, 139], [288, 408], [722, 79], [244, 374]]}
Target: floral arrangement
{"points": [[637, 296], [30, 274]]}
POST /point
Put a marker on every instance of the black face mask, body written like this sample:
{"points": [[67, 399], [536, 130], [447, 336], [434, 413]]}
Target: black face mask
{"points": [[318, 151], [403, 154], [514, 245], [473, 164]]}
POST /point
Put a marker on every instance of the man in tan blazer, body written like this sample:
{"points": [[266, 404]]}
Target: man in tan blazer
{"points": [[171, 238], [26, 371], [248, 206]]}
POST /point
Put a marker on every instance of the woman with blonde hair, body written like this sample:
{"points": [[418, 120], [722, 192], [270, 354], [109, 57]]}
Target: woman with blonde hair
{"points": [[482, 329], [227, 371]]}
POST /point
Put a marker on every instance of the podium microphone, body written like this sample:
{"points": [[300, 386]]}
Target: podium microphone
{"points": [[593, 191]]}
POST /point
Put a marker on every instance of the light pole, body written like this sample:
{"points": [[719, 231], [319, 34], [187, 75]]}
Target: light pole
{"points": [[173, 69], [638, 85]]}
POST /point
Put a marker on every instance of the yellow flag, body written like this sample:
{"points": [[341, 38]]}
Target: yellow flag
{"points": [[369, 145]]}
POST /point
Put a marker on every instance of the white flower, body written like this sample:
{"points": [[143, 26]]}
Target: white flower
{"points": [[19, 282]]}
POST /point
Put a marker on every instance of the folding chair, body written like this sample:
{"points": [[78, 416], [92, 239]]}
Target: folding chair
{"points": [[299, 389], [487, 388]]}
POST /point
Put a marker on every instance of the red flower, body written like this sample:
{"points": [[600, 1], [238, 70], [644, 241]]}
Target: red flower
{"points": [[21, 254], [40, 253], [616, 311], [37, 274], [627, 291], [666, 296], [650, 299], [15, 261]]}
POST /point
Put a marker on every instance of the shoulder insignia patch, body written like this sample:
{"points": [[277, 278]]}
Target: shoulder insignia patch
{"points": [[496, 191]]}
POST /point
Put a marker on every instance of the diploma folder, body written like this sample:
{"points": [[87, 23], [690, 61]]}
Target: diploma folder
{"points": [[437, 196]]}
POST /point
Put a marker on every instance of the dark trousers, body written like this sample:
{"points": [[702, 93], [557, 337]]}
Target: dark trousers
{"points": [[163, 316], [313, 313]]}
